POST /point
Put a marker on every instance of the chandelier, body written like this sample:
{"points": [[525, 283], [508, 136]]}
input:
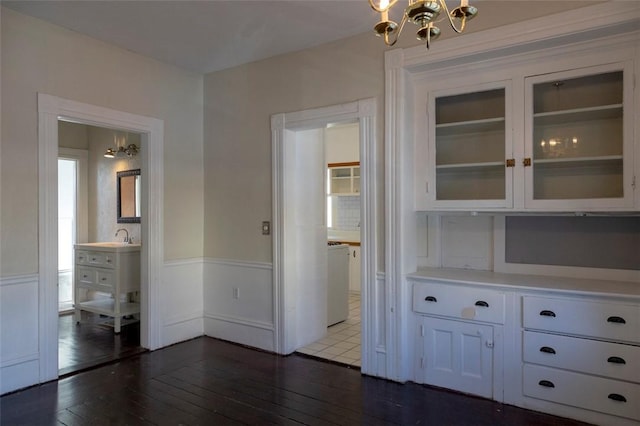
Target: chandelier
{"points": [[423, 13]]}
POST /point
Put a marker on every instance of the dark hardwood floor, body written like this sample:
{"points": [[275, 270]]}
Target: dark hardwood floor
{"points": [[91, 343], [209, 382]]}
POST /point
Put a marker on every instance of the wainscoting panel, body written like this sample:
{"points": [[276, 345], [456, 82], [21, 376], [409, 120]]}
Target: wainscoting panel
{"points": [[19, 354], [238, 302], [181, 307]]}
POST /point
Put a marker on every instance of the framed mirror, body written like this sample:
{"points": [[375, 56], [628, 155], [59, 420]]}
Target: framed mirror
{"points": [[128, 196]]}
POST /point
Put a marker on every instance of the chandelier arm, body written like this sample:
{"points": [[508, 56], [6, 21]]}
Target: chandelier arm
{"points": [[463, 20], [378, 9], [387, 39]]}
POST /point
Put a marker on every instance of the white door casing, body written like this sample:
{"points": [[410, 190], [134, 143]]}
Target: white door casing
{"points": [[50, 110], [284, 128]]}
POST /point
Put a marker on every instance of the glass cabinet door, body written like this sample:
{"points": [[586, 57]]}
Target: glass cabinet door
{"points": [[470, 145], [344, 178], [576, 152]]}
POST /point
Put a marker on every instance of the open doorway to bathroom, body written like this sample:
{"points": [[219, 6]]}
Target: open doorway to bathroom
{"points": [[91, 235], [342, 342]]}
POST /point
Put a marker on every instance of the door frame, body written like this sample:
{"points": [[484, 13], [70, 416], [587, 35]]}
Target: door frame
{"points": [[283, 127], [50, 110]]}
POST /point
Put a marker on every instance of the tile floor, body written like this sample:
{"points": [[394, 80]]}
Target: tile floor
{"points": [[342, 342]]}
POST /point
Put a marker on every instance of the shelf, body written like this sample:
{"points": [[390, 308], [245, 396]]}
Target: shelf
{"points": [[580, 161], [605, 112], [470, 166], [473, 126], [107, 306]]}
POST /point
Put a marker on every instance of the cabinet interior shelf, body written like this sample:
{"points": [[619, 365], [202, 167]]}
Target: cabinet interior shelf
{"points": [[577, 161], [472, 126], [470, 165], [579, 114]]}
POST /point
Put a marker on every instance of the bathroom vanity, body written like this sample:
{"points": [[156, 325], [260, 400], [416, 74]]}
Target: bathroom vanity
{"points": [[112, 268]]}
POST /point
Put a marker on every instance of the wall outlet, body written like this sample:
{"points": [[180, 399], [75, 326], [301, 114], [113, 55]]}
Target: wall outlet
{"points": [[236, 293]]}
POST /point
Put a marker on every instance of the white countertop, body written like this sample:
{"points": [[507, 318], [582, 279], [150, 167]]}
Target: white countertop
{"points": [[530, 282], [108, 246]]}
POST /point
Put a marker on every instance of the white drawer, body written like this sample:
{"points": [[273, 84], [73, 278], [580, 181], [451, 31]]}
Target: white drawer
{"points": [[86, 276], [605, 320], [105, 280], [95, 279], [612, 360], [460, 302], [95, 258], [583, 391]]}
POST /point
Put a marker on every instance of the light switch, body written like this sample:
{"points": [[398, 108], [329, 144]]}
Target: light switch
{"points": [[266, 228]]}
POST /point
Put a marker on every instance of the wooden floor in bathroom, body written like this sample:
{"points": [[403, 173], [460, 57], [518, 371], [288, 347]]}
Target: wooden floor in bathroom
{"points": [[211, 382], [93, 342]]}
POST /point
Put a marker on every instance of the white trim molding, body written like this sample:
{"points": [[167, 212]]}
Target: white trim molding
{"points": [[19, 343], [50, 110]]}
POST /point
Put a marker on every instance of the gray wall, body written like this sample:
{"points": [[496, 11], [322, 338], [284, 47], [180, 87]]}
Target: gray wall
{"points": [[38, 57]]}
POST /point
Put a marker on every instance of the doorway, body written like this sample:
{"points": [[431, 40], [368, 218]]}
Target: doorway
{"points": [[51, 109], [341, 342], [88, 200], [291, 245]]}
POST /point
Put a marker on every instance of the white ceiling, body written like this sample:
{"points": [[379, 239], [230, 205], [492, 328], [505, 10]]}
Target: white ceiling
{"points": [[207, 35], [210, 35]]}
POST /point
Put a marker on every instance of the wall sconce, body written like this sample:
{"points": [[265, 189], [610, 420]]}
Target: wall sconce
{"points": [[122, 151]]}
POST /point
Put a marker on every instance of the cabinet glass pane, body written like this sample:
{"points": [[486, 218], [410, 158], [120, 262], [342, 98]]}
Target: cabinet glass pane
{"points": [[578, 138], [470, 146]]}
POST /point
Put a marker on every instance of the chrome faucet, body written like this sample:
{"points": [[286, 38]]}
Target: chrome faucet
{"points": [[126, 238]]}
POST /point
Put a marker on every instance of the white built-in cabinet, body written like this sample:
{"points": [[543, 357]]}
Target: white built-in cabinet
{"points": [[344, 178], [561, 140], [457, 330], [569, 347]]}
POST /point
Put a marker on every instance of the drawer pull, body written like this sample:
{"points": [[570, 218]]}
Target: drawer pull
{"points": [[104, 278], [482, 303], [85, 276], [617, 397], [430, 299], [547, 314], [93, 258], [616, 360], [616, 320], [547, 350], [549, 384]]}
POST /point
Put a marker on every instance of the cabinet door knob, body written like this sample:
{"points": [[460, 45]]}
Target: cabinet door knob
{"points": [[546, 383], [547, 350], [546, 313], [617, 320], [482, 303], [617, 397], [510, 162], [526, 162], [616, 360], [430, 299]]}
